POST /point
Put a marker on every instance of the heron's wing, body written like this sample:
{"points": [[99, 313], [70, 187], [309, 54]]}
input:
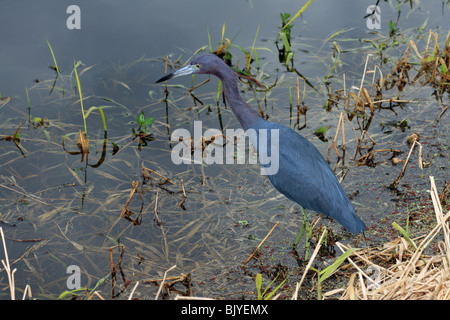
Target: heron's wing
{"points": [[306, 178]]}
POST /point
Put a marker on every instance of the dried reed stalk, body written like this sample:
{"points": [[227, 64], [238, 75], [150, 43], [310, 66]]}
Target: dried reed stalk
{"points": [[414, 276], [257, 248]]}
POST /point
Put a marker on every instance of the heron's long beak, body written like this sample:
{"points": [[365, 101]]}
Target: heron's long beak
{"points": [[181, 72]]}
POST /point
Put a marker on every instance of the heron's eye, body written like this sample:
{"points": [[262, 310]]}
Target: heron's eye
{"points": [[199, 66]]}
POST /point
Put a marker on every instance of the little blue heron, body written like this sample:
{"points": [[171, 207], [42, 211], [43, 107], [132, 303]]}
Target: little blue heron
{"points": [[303, 175]]}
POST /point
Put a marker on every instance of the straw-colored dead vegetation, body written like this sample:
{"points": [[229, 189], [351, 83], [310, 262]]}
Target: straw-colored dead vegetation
{"points": [[414, 275]]}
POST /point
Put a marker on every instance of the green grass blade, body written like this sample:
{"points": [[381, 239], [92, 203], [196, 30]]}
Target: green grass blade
{"points": [[404, 233], [55, 67], [99, 282], [258, 282], [253, 47], [209, 40], [219, 91], [268, 296], [335, 34], [298, 13], [335, 63], [223, 34], [81, 97], [54, 59], [66, 293], [328, 271], [100, 110], [285, 40], [115, 102], [29, 106]]}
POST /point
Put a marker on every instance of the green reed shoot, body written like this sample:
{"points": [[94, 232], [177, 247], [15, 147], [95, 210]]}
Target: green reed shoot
{"points": [[336, 60], [55, 67], [334, 35], [85, 115], [28, 98], [223, 34], [285, 34], [209, 40], [100, 110], [247, 67], [81, 96], [299, 12], [219, 91], [328, 271], [264, 295], [404, 234], [29, 106], [285, 28]]}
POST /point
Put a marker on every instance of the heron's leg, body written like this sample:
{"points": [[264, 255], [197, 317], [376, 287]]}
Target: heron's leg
{"points": [[306, 226]]}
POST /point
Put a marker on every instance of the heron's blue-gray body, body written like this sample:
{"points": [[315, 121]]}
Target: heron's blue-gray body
{"points": [[305, 177], [303, 174]]}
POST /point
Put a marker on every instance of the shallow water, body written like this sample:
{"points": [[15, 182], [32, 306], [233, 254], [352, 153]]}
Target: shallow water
{"points": [[58, 211]]}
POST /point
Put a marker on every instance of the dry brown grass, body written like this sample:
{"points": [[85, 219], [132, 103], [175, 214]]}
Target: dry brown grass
{"points": [[413, 275]]}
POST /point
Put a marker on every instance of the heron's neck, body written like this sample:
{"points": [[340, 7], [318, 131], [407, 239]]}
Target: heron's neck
{"points": [[243, 112]]}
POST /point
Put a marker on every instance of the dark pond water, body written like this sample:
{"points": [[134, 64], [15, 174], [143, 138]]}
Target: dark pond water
{"points": [[58, 209]]}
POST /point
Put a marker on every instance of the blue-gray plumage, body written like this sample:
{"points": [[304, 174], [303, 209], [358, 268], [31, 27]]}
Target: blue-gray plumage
{"points": [[303, 175]]}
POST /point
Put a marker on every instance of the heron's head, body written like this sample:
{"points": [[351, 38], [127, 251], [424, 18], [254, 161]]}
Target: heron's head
{"points": [[205, 63]]}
